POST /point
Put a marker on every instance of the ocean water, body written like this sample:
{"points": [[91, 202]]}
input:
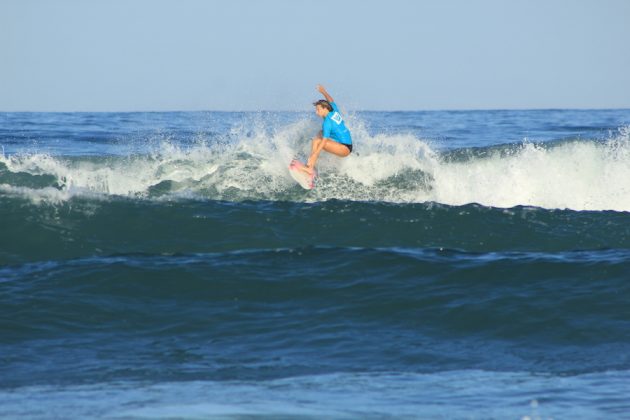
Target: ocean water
{"points": [[459, 264]]}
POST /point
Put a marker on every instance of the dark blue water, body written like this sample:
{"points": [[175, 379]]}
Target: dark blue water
{"points": [[456, 265]]}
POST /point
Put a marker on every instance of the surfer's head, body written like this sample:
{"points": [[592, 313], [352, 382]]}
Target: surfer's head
{"points": [[322, 107]]}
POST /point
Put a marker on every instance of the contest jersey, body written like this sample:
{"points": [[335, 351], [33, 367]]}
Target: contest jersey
{"points": [[335, 128]]}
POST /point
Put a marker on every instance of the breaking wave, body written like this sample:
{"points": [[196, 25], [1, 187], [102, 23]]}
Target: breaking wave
{"points": [[579, 174]]}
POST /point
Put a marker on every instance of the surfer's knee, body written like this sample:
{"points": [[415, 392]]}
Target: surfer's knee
{"points": [[318, 142]]}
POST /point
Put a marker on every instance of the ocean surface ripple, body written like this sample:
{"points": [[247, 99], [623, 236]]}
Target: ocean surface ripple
{"points": [[457, 265]]}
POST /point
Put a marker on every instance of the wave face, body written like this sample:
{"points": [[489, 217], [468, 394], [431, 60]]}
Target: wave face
{"points": [[82, 227], [166, 265], [251, 164]]}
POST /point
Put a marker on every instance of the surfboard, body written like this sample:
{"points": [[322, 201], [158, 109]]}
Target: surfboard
{"points": [[305, 180]]}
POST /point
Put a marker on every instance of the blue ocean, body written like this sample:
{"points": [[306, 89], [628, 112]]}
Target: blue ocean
{"points": [[457, 265]]}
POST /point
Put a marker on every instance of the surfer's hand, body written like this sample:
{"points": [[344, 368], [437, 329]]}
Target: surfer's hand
{"points": [[323, 91]]}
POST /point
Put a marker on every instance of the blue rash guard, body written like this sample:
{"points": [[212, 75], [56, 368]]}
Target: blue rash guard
{"points": [[334, 128]]}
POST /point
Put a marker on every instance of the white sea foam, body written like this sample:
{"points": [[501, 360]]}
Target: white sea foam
{"points": [[578, 175], [575, 175]]}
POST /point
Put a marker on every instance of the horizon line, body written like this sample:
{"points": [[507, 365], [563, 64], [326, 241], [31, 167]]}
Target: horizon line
{"points": [[305, 110]]}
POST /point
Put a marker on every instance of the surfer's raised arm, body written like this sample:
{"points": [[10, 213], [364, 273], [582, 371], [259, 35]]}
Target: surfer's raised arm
{"points": [[323, 91]]}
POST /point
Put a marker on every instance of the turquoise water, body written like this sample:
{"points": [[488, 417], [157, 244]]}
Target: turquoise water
{"points": [[456, 265]]}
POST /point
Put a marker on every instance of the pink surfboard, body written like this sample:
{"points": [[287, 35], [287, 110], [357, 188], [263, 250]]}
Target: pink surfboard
{"points": [[305, 180]]}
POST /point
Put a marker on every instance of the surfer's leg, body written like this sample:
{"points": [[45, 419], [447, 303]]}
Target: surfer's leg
{"points": [[318, 145], [330, 146], [315, 144], [336, 148]]}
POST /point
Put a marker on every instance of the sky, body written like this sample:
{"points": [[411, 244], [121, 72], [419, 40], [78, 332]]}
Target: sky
{"points": [[233, 55]]}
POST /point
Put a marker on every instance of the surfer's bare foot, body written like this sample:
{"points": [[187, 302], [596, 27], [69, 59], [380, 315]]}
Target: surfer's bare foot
{"points": [[307, 169]]}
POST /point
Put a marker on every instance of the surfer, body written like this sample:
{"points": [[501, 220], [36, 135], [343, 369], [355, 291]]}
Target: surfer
{"points": [[335, 137]]}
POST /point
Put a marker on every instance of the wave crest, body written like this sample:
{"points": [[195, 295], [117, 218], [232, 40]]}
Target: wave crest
{"points": [[577, 174]]}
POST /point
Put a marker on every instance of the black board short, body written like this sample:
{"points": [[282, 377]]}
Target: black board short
{"points": [[349, 146]]}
